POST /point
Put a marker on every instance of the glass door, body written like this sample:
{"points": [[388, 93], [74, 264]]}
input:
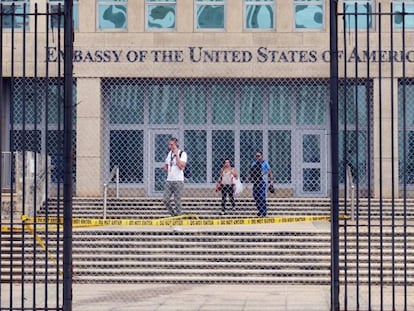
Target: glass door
{"points": [[312, 157], [158, 150]]}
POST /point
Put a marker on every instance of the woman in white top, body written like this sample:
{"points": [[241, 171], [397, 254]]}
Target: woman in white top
{"points": [[227, 174]]}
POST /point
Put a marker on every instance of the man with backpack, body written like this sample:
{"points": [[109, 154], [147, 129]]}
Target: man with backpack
{"points": [[174, 165], [258, 174]]}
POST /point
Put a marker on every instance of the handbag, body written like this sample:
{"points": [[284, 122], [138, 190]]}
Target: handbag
{"points": [[218, 185], [238, 186]]}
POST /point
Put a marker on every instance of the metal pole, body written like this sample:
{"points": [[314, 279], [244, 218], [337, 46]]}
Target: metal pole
{"points": [[117, 181], [105, 200], [68, 156], [333, 42]]}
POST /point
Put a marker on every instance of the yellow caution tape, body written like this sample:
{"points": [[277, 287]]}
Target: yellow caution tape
{"points": [[183, 220], [42, 244], [11, 228], [28, 227]]}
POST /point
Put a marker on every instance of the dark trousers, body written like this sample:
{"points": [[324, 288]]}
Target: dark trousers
{"points": [[227, 190], [259, 195]]}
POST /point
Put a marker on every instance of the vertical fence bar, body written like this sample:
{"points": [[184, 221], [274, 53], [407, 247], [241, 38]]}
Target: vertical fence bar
{"points": [[357, 155], [23, 167], [333, 42], [12, 59], [392, 163], [68, 154], [380, 158], [46, 148], [60, 137], [368, 110], [345, 157], [35, 149], [404, 104]]}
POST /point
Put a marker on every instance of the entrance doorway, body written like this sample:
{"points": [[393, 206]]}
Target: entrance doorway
{"points": [[312, 163]]}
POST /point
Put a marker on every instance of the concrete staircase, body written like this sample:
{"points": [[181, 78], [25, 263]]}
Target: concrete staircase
{"points": [[297, 253]]}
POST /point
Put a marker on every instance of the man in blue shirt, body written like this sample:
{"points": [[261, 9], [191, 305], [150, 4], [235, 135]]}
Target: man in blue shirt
{"points": [[259, 174]]}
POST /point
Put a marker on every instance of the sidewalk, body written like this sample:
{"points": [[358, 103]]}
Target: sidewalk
{"points": [[183, 297], [201, 297], [207, 297]]}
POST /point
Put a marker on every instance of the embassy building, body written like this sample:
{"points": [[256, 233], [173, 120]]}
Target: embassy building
{"points": [[227, 78]]}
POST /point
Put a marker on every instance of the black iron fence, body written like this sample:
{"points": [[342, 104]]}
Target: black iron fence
{"points": [[372, 76], [36, 156], [372, 130]]}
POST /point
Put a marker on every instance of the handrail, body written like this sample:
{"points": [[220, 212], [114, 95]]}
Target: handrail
{"points": [[351, 187], [114, 173]]}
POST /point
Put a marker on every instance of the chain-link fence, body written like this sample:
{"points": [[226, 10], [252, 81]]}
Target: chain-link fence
{"points": [[215, 119]]}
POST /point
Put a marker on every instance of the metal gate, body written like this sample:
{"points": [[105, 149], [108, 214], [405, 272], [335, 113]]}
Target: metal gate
{"points": [[36, 112], [372, 105]]}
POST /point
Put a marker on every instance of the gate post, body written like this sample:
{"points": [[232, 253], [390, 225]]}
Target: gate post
{"points": [[68, 156], [333, 42]]}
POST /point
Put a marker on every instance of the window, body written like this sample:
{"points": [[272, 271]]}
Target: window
{"points": [[11, 7], [126, 152], [353, 129], [251, 104], [252, 142], [58, 21], [309, 14], [280, 104], [406, 89], [195, 109], [196, 148], [225, 118], [280, 155], [408, 7], [127, 103], [259, 14], [28, 114], [164, 103], [311, 102], [223, 103], [112, 14], [160, 14], [223, 146], [209, 14], [356, 11]]}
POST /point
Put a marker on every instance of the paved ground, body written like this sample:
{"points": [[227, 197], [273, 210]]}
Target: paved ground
{"points": [[198, 297], [153, 297], [203, 297]]}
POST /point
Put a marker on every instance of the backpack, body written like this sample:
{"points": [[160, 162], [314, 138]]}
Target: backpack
{"points": [[256, 173], [187, 169]]}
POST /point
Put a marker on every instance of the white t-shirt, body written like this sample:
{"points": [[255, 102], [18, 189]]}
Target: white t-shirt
{"points": [[174, 172]]}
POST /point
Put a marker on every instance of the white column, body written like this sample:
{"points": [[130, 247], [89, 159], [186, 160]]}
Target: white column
{"points": [[386, 133], [88, 138]]}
